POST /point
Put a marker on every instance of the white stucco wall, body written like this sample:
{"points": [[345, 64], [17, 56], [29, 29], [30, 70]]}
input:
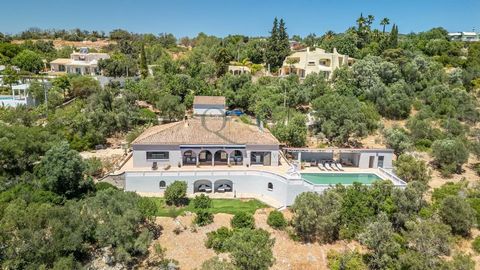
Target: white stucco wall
{"points": [[218, 110], [365, 159], [140, 158]]}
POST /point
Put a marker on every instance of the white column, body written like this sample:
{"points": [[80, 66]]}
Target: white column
{"points": [[300, 157], [213, 158], [197, 160], [228, 158]]}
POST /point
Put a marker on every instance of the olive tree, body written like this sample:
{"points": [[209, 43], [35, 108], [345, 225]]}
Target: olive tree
{"points": [[251, 249], [456, 212], [62, 171], [316, 216], [411, 169], [450, 155]]}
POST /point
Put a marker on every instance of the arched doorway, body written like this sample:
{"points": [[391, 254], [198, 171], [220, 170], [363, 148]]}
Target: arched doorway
{"points": [[236, 158], [189, 158], [205, 157], [202, 186], [223, 185], [221, 158]]}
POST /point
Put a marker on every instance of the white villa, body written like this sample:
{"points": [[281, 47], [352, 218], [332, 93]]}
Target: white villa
{"points": [[81, 62], [464, 36], [308, 61], [225, 157], [238, 70]]}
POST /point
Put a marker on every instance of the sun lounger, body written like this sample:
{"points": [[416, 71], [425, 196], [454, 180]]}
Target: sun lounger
{"points": [[327, 166], [321, 167], [339, 166], [332, 165]]}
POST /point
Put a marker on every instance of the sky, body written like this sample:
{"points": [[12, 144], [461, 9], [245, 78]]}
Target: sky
{"points": [[247, 17]]}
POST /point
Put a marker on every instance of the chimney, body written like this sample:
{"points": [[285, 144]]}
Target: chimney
{"points": [[308, 49], [335, 51], [185, 121], [260, 124]]}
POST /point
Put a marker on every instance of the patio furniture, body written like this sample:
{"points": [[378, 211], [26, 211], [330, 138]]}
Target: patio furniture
{"points": [[339, 166], [327, 166], [321, 167], [204, 188], [332, 165], [224, 188]]}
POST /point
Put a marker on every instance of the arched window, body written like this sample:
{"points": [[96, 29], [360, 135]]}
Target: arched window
{"points": [[270, 186], [162, 184]]}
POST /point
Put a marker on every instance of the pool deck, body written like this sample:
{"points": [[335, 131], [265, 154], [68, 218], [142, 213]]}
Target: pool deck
{"points": [[279, 170]]}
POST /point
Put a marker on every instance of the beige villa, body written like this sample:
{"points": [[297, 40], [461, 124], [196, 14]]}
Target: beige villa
{"points": [[308, 61], [81, 62]]}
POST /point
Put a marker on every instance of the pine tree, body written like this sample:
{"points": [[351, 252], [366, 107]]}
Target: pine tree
{"points": [[143, 62]]}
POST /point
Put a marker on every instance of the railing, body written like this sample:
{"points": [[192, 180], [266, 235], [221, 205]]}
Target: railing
{"points": [[210, 173], [395, 179]]}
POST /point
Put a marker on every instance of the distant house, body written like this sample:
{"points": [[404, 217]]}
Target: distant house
{"points": [[81, 62], [308, 61], [464, 36], [209, 105], [238, 70]]}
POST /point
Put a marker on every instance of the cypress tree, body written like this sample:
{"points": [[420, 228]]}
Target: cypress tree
{"points": [[393, 40], [278, 46], [143, 62], [284, 44], [272, 45]]}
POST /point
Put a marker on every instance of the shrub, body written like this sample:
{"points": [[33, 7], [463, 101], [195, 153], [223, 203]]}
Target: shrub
{"points": [[476, 168], [276, 220], [202, 202], [216, 264], [204, 217], [251, 249], [175, 193], [147, 207], [476, 244], [411, 169], [216, 240], [94, 167], [449, 155], [347, 260], [243, 220], [458, 214], [104, 185]]}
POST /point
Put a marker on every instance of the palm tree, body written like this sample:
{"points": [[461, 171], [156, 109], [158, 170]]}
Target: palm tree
{"points": [[361, 21], [370, 19], [385, 22]]}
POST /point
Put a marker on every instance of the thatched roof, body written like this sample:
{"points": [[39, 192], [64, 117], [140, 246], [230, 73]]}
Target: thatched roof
{"points": [[206, 131]]}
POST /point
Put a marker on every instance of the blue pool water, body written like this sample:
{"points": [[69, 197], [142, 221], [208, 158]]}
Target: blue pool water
{"points": [[340, 178]]}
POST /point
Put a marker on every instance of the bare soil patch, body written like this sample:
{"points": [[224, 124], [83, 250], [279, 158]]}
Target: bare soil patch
{"points": [[189, 250]]}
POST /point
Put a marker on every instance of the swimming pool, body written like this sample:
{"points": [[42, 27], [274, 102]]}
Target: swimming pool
{"points": [[340, 178]]}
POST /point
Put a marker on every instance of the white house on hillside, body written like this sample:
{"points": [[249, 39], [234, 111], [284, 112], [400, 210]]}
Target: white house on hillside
{"points": [[308, 61], [81, 62], [464, 36]]}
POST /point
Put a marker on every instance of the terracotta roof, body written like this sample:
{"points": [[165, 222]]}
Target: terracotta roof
{"points": [[211, 100], [206, 131], [61, 61]]}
